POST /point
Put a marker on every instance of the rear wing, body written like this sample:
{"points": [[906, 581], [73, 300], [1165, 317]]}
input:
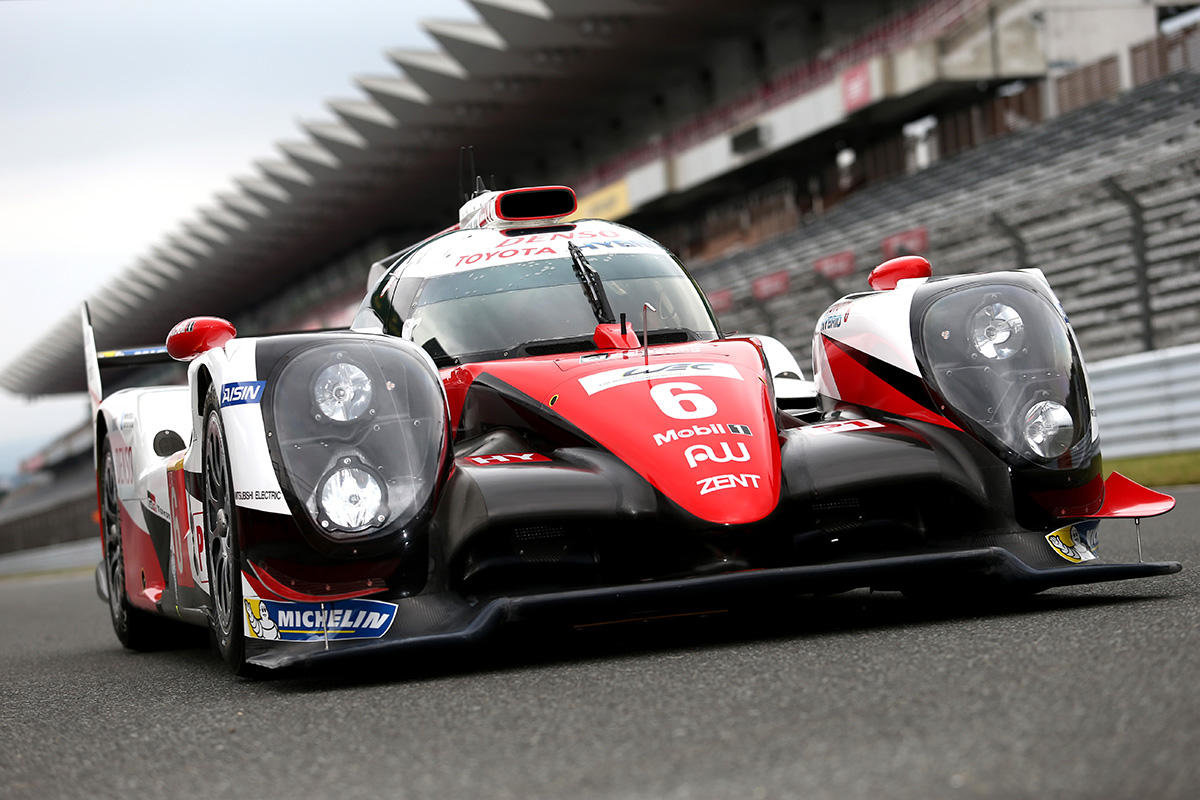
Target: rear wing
{"points": [[94, 361]]}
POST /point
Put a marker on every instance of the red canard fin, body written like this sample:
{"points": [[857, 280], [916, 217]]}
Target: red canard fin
{"points": [[1126, 498]]}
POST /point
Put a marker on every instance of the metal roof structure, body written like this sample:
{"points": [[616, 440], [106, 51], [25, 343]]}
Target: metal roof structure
{"points": [[522, 85]]}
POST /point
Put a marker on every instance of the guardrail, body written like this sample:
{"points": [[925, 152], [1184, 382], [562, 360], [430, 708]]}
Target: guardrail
{"points": [[1148, 403]]}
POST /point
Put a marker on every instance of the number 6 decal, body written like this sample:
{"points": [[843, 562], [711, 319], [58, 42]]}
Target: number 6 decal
{"points": [[693, 405]]}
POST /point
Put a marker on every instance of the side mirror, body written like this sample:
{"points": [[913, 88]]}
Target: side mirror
{"points": [[886, 275], [197, 335]]}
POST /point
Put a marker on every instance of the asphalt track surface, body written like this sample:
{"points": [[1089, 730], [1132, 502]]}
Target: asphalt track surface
{"points": [[1077, 693]]}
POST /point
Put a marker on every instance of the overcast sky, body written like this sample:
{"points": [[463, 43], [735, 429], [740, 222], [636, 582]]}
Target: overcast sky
{"points": [[118, 119]]}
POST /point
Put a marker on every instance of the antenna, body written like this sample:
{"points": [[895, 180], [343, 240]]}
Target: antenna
{"points": [[462, 192], [479, 187], [493, 181], [466, 171], [471, 166]]}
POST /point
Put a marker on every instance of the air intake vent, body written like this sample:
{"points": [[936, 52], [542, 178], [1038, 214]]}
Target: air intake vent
{"points": [[538, 202]]}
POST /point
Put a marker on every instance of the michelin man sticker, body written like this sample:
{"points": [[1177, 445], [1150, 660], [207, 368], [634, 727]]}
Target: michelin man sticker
{"points": [[259, 620], [1071, 545], [312, 622]]}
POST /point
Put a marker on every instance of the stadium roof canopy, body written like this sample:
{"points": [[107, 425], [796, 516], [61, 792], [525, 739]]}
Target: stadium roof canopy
{"points": [[522, 86]]}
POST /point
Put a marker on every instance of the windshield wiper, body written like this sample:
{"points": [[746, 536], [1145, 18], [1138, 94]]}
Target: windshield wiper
{"points": [[593, 287]]}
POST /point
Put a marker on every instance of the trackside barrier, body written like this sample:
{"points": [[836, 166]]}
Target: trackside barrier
{"points": [[1148, 403]]}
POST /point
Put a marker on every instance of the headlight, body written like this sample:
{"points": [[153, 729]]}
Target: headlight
{"points": [[350, 499], [999, 358], [357, 430], [1049, 429], [342, 391], [997, 331]]}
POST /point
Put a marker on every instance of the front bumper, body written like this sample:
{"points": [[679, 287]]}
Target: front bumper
{"points": [[438, 619]]}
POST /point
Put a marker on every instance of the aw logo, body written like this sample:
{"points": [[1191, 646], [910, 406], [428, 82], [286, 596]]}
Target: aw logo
{"points": [[699, 453], [241, 393]]}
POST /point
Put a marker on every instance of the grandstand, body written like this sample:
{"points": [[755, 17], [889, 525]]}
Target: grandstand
{"points": [[1043, 198], [783, 148]]}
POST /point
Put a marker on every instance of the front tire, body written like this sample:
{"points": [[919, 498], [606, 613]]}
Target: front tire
{"points": [[224, 552]]}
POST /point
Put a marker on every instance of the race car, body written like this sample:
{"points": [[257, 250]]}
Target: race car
{"points": [[534, 417]]}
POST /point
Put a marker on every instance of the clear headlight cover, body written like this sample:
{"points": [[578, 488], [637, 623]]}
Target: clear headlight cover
{"points": [[1001, 355], [342, 391], [374, 472]]}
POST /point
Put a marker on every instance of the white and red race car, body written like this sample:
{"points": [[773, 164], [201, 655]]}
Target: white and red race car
{"points": [[532, 418]]}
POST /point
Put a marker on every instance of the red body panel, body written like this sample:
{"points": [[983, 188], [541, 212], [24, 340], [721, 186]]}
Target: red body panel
{"points": [[697, 422], [144, 581], [181, 520], [857, 384], [269, 588]]}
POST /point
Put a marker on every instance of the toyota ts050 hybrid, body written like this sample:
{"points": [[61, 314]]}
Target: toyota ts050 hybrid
{"points": [[535, 419]]}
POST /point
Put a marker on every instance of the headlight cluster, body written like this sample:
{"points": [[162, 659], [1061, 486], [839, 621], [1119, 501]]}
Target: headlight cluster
{"points": [[359, 428], [1001, 355]]}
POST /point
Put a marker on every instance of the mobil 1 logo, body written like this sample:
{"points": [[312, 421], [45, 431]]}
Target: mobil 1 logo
{"points": [[692, 431]]}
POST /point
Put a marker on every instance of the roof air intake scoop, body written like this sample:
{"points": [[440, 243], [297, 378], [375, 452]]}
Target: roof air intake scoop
{"points": [[531, 206]]}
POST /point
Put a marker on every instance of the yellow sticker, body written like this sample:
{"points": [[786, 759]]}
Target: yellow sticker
{"points": [[260, 624], [1064, 543]]}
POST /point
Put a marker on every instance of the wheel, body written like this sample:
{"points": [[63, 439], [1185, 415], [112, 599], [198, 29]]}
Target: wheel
{"points": [[135, 628], [221, 538]]}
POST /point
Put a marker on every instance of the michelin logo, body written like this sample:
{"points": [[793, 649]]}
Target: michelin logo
{"points": [[241, 393], [314, 622]]}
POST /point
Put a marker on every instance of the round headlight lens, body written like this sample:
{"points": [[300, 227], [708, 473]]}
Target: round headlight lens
{"points": [[1049, 429], [342, 392], [997, 330], [351, 499]]}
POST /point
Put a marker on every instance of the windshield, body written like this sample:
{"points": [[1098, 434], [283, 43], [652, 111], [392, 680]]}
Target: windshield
{"points": [[535, 307]]}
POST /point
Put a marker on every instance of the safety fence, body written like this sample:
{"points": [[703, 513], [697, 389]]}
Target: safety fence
{"points": [[1148, 403]]}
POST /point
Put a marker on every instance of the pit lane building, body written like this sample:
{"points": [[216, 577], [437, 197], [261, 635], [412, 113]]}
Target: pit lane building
{"points": [[782, 148]]}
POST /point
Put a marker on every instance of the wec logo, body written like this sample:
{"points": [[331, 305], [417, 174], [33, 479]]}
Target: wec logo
{"points": [[242, 392], [699, 453], [682, 369]]}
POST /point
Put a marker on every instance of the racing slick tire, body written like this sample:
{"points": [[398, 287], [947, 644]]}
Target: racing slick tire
{"points": [[221, 543], [135, 628]]}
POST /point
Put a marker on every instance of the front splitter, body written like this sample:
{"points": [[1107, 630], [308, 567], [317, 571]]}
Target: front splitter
{"points": [[444, 619]]}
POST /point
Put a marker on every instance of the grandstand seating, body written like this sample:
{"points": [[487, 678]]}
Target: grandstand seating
{"points": [[1050, 184]]}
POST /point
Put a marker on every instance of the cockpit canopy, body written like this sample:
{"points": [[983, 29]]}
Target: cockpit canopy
{"points": [[483, 294]]}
